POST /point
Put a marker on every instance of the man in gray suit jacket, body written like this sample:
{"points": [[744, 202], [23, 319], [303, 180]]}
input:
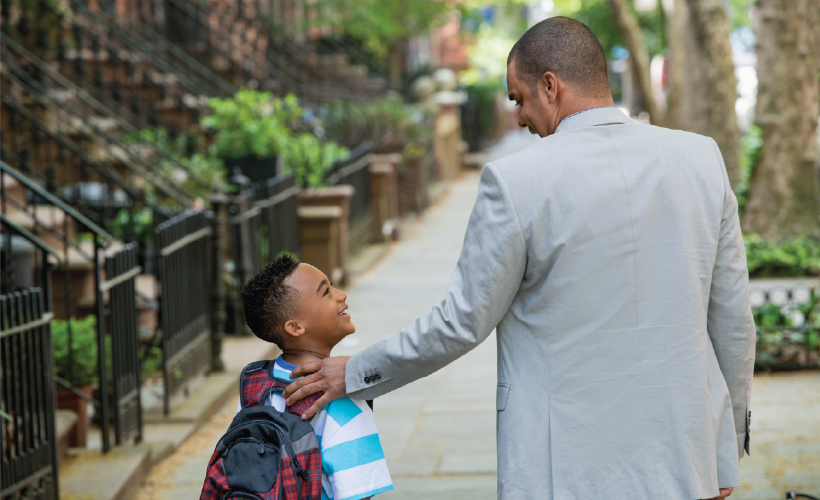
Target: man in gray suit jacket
{"points": [[608, 256]]}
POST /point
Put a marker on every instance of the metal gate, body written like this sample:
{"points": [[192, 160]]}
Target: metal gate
{"points": [[121, 270], [184, 276], [28, 451]]}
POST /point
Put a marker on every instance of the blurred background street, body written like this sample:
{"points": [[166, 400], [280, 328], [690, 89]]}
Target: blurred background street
{"points": [[156, 154]]}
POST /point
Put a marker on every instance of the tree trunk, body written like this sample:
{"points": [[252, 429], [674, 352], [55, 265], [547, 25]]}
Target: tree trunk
{"points": [[686, 102], [631, 34], [784, 188], [712, 35]]}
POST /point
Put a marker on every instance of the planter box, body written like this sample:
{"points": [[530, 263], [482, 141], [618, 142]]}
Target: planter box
{"points": [[413, 178], [384, 197], [337, 197], [67, 400], [447, 142], [319, 237], [255, 169]]}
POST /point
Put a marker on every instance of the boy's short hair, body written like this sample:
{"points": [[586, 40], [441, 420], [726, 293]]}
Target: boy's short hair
{"points": [[268, 302]]}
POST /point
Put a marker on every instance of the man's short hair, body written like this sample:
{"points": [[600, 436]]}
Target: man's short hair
{"points": [[268, 302], [565, 47]]}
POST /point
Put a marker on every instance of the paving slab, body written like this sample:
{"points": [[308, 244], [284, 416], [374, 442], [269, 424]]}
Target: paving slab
{"points": [[785, 446], [89, 475]]}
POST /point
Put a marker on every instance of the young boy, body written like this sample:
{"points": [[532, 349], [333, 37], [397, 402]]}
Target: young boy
{"points": [[296, 307]]}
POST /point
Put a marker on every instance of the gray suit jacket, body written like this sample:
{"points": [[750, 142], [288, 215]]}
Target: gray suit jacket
{"points": [[610, 260]]}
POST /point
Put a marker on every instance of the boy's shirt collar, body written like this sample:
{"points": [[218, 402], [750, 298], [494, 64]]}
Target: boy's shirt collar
{"points": [[282, 369]]}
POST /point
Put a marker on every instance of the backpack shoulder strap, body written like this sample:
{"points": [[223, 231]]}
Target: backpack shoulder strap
{"points": [[252, 383], [300, 406], [257, 383]]}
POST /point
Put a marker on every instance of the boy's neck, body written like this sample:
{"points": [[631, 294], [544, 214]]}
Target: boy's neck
{"points": [[298, 356]]}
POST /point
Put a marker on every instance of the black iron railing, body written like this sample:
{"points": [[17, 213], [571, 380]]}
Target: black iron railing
{"points": [[787, 319], [354, 171], [135, 35], [121, 270], [71, 120], [793, 495], [245, 36], [105, 117], [53, 221], [263, 225], [185, 280], [28, 448]]}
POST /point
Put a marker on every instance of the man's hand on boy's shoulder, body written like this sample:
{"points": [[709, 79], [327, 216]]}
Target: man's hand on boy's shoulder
{"points": [[327, 375]]}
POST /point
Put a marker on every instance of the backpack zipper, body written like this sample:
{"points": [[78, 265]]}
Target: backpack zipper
{"points": [[303, 475], [240, 494], [262, 445]]}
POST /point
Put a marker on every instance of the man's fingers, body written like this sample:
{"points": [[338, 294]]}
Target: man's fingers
{"points": [[724, 492], [299, 383], [318, 405], [311, 367], [303, 393]]}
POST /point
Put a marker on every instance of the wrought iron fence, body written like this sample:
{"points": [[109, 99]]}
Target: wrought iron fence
{"points": [[121, 270], [787, 319], [185, 282], [354, 171], [54, 231], [263, 225], [28, 448], [793, 495]]}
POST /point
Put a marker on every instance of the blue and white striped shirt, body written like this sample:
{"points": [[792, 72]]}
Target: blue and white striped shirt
{"points": [[353, 464]]}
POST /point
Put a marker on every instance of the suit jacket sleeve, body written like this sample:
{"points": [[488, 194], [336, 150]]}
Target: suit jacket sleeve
{"points": [[730, 323], [486, 279]]}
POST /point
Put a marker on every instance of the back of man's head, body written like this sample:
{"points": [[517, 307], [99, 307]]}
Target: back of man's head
{"points": [[568, 49]]}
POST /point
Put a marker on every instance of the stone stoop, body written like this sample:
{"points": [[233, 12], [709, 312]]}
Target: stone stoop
{"points": [[64, 422], [89, 475]]}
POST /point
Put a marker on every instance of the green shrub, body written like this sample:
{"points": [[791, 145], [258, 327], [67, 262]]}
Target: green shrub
{"points": [[202, 172], [140, 224], [250, 124], [308, 158], [388, 121], [792, 257], [255, 124], [483, 95], [84, 344], [779, 339]]}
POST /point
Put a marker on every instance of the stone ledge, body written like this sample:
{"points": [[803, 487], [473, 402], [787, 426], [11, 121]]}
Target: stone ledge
{"points": [[202, 402], [64, 422]]}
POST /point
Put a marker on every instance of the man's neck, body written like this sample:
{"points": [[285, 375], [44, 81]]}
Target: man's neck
{"points": [[583, 104], [572, 105]]}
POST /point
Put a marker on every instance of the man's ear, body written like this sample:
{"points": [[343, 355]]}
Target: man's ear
{"points": [[549, 84], [293, 328]]}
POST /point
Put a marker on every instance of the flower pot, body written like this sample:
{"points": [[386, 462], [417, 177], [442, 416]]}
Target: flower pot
{"points": [[67, 400], [255, 169]]}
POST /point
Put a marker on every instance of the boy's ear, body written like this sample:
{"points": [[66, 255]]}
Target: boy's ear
{"points": [[293, 328]]}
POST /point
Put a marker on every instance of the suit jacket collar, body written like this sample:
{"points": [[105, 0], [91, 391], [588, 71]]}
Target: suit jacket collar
{"points": [[593, 117]]}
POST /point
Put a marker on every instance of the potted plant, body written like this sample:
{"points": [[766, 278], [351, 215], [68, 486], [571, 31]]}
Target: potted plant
{"points": [[248, 131], [79, 370], [260, 136]]}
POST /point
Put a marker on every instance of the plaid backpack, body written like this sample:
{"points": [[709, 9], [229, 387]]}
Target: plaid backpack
{"points": [[265, 454]]}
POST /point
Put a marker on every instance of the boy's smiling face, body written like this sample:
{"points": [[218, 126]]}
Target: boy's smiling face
{"points": [[322, 311]]}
